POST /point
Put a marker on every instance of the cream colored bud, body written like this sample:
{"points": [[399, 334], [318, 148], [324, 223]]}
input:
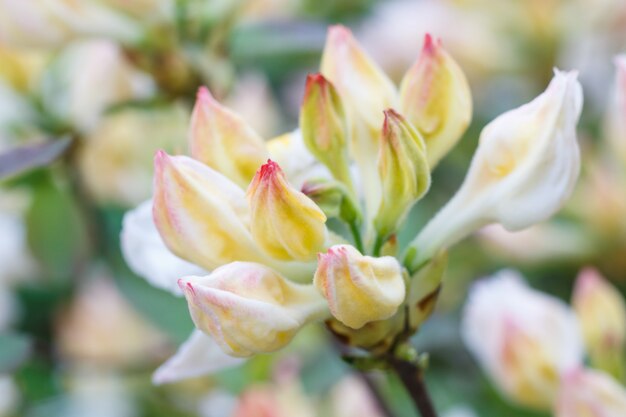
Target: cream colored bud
{"points": [[249, 308], [524, 169], [524, 340], [359, 289], [284, 222], [435, 97], [224, 141]]}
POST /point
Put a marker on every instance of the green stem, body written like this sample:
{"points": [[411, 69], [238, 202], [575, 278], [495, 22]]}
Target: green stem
{"points": [[356, 234], [378, 244]]}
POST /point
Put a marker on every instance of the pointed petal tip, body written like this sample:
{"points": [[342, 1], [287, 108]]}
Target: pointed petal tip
{"points": [[339, 33], [204, 95]]}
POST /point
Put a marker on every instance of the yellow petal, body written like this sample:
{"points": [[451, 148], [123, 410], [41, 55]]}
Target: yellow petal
{"points": [[359, 289], [201, 215], [249, 308], [224, 141], [285, 222], [435, 98]]}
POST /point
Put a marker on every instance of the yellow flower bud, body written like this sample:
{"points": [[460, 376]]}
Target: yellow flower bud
{"points": [[403, 171], [363, 85], [589, 393], [435, 97], [224, 141], [249, 308], [524, 340], [200, 214], [602, 314], [524, 169], [359, 289], [325, 128], [284, 222]]}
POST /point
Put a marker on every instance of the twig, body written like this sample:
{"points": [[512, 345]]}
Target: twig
{"points": [[412, 378]]}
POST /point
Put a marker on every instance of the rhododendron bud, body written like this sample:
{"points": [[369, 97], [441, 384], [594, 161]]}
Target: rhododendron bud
{"points": [[403, 171], [425, 286], [201, 215], [284, 222], [359, 289], [586, 392], [524, 340], [525, 167], [435, 97], [224, 141], [249, 308], [363, 85], [324, 127], [602, 314]]}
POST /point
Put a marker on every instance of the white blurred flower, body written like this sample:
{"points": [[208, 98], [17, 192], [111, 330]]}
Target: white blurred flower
{"points": [[524, 340], [586, 392], [98, 393], [351, 398]]}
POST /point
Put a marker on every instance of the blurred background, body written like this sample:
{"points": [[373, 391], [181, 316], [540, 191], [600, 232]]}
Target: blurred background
{"points": [[90, 89]]}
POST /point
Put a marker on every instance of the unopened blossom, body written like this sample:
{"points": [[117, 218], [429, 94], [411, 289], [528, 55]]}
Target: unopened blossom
{"points": [[403, 170], [601, 310], [524, 340], [324, 126], [586, 392], [221, 139], [359, 289], [249, 308], [284, 222], [367, 92], [524, 169]]}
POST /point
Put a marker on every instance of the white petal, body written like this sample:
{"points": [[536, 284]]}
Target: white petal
{"points": [[198, 356], [146, 253]]}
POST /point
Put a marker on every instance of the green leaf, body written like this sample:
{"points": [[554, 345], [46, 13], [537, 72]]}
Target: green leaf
{"points": [[14, 350]]}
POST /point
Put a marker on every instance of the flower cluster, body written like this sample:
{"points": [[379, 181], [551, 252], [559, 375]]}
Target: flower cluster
{"points": [[532, 345], [244, 221]]}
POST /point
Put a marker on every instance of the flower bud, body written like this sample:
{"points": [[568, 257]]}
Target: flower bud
{"points": [[359, 289], [586, 392], [601, 312], [524, 340], [364, 86], [325, 128], [333, 198], [403, 171], [200, 214], [284, 222], [525, 167], [249, 308], [435, 98], [221, 139]]}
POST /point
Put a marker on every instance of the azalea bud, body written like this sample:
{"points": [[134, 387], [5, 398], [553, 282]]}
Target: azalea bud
{"points": [[524, 169], [363, 85], [602, 314], [284, 222], [359, 289], [435, 98], [224, 141], [403, 171], [524, 340], [377, 337], [249, 308], [585, 392], [325, 128], [200, 214], [333, 198]]}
